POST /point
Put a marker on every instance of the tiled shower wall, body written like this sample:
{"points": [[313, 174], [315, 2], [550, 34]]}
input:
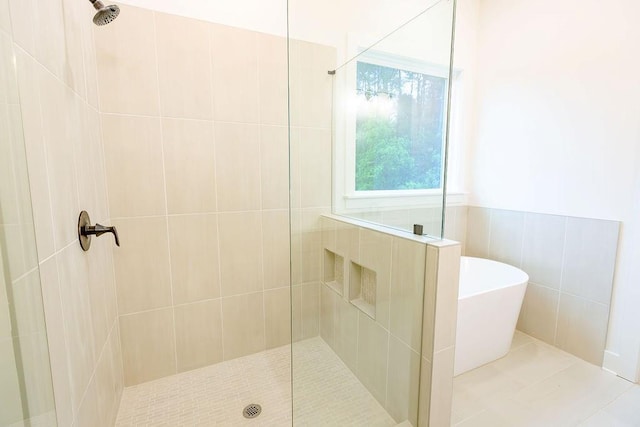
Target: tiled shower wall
{"points": [[58, 99], [570, 262], [197, 159], [25, 385]]}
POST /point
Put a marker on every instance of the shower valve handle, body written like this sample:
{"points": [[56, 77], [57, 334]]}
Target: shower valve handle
{"points": [[98, 230], [86, 230]]}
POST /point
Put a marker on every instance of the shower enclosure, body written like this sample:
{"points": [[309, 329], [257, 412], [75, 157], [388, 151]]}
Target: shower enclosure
{"points": [[264, 177]]}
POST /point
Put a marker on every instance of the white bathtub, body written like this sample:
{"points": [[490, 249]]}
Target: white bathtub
{"points": [[489, 303]]}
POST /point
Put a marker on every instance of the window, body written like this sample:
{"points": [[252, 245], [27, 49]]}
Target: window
{"points": [[400, 126]]}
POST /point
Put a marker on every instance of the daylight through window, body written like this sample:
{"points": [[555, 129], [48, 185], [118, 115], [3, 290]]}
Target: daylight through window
{"points": [[399, 129]]}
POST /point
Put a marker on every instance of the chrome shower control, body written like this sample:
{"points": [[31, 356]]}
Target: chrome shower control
{"points": [[86, 230]]}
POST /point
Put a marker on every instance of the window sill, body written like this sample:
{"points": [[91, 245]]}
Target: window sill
{"points": [[400, 199]]}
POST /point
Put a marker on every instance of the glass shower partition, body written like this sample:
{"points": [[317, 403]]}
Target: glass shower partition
{"points": [[369, 102], [26, 393]]}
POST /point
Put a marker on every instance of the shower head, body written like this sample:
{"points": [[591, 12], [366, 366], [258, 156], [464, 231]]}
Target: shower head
{"points": [[106, 14]]}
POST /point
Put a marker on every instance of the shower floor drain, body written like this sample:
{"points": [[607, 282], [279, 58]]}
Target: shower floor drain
{"points": [[252, 411]]}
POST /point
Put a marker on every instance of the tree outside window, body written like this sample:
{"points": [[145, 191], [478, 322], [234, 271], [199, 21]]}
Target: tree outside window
{"points": [[399, 129]]}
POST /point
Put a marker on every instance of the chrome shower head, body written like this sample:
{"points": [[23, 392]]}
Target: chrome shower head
{"points": [[106, 14]]}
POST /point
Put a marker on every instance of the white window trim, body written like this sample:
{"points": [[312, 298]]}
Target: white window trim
{"points": [[346, 198]]}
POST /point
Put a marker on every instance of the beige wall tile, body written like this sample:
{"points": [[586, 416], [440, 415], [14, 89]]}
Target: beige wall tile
{"points": [[141, 264], [66, 58], [100, 267], [590, 258], [429, 307], [198, 334], [403, 382], [237, 166], [327, 314], [184, 67], [373, 350], [582, 328], [133, 158], [5, 18], [310, 309], [24, 24], [311, 80], [273, 79], [148, 346], [92, 181], [275, 243], [189, 189], [89, 411], [406, 294], [90, 60], [478, 226], [28, 73], [56, 339], [441, 388], [9, 385], [5, 319], [108, 381], [127, 64], [195, 267], [27, 304], [425, 393], [447, 297], [240, 253], [235, 74], [315, 165], [346, 332], [243, 320], [375, 254], [8, 86], [60, 115], [37, 373], [296, 313], [505, 241], [274, 167], [539, 313], [76, 309], [277, 317], [543, 248]]}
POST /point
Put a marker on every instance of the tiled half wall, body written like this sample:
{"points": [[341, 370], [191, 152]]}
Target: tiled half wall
{"points": [[388, 309]]}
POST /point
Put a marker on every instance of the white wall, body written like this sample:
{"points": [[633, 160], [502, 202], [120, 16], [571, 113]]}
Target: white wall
{"points": [[558, 101]]}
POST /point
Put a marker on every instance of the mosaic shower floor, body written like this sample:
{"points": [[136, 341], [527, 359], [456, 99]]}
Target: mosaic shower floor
{"points": [[327, 393]]}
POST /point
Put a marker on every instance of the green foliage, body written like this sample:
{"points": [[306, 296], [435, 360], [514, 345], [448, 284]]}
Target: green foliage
{"points": [[402, 150]]}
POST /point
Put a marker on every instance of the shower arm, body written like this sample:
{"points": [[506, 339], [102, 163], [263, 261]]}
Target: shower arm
{"points": [[97, 4]]}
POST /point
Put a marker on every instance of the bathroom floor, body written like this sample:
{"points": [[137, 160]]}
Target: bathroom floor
{"points": [[326, 391], [540, 385]]}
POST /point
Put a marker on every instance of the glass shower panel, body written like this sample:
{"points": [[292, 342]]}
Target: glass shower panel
{"points": [[26, 393], [369, 89], [390, 123]]}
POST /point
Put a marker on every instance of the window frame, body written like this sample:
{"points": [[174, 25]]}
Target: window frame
{"points": [[346, 197]]}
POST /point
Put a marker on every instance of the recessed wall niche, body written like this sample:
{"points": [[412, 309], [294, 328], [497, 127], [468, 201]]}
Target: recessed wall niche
{"points": [[334, 271], [362, 289]]}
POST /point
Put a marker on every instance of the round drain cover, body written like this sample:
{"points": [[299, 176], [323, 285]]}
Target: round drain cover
{"points": [[252, 411]]}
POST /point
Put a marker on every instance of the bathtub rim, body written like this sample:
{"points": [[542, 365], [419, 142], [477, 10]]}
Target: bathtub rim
{"points": [[523, 280]]}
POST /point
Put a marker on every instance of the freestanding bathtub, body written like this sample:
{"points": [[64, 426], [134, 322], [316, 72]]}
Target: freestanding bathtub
{"points": [[489, 302]]}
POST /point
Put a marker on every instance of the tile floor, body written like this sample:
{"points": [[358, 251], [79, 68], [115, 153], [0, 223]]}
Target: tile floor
{"points": [[326, 391], [534, 385], [539, 385]]}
